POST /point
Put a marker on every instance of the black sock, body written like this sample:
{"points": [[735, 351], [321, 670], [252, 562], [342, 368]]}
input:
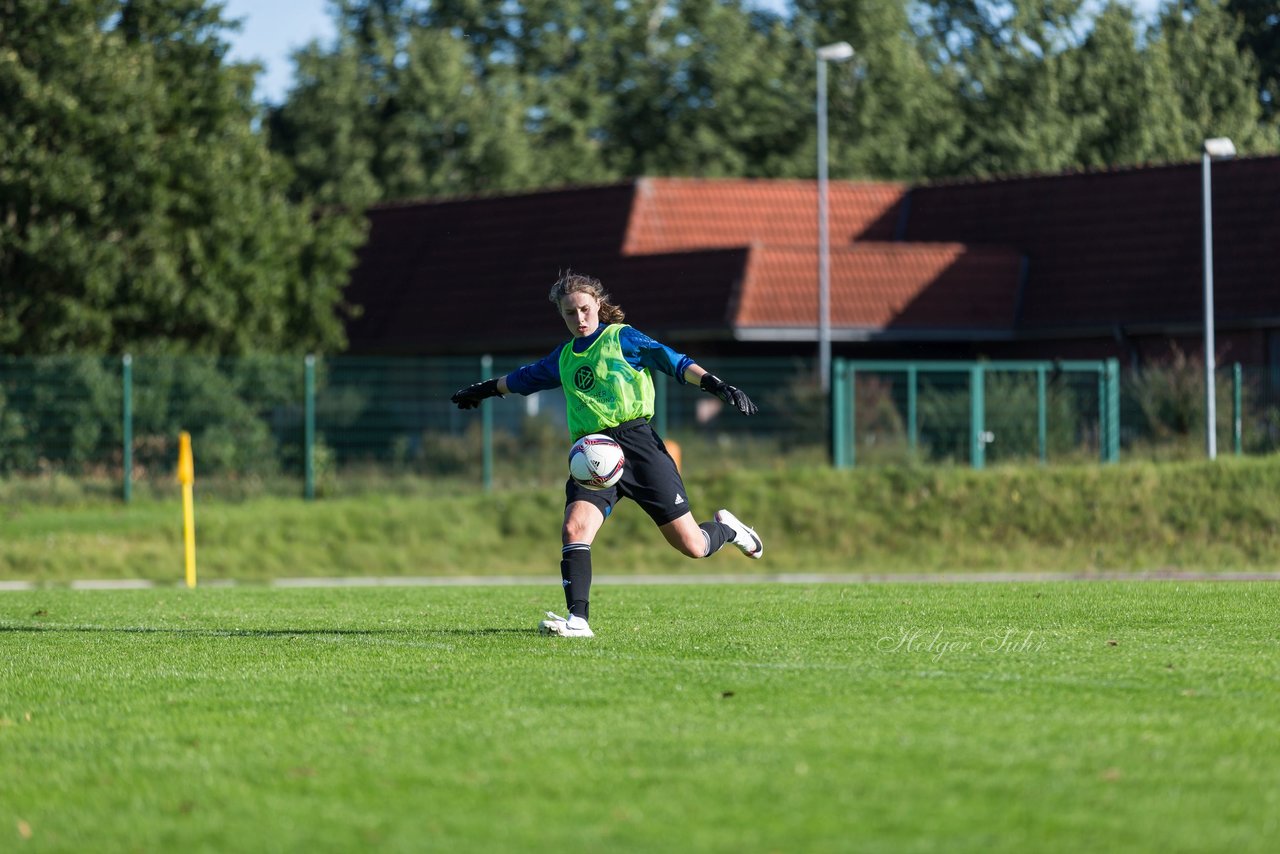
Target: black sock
{"points": [[717, 533], [575, 574]]}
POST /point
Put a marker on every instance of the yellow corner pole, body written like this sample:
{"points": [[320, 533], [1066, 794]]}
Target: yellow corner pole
{"points": [[187, 477]]}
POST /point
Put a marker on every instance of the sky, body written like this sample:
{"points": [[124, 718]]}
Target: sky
{"points": [[272, 29]]}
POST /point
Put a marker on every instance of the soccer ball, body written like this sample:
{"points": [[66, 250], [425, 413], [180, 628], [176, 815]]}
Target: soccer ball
{"points": [[596, 461]]}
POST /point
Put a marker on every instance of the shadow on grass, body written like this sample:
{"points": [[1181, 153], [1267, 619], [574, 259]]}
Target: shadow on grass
{"points": [[264, 633]]}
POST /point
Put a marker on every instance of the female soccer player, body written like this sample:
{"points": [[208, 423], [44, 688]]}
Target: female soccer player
{"points": [[605, 373]]}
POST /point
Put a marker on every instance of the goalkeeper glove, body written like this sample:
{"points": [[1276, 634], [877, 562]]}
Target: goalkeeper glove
{"points": [[735, 397], [470, 397]]}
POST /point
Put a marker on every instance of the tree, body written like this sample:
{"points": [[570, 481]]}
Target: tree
{"points": [[1016, 66], [893, 110], [1045, 85], [714, 90], [396, 108], [1217, 83], [1124, 96], [141, 208], [461, 96], [1260, 35]]}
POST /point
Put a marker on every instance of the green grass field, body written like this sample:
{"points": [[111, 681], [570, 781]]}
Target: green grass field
{"points": [[891, 717]]}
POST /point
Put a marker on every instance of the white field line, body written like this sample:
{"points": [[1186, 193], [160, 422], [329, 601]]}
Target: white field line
{"points": [[691, 579], [411, 581], [116, 584]]}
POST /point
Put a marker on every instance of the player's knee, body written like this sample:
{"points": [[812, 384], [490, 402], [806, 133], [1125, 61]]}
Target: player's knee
{"points": [[574, 532], [692, 548]]}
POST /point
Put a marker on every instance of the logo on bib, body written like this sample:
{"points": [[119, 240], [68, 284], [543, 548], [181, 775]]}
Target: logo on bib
{"points": [[584, 378]]}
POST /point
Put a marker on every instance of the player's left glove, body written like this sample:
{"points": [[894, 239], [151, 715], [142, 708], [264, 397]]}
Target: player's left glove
{"points": [[735, 397], [471, 396]]}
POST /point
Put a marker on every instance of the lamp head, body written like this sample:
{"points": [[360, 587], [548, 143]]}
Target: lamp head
{"points": [[837, 52], [1219, 148]]}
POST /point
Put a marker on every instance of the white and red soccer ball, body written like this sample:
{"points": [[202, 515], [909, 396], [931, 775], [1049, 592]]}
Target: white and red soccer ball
{"points": [[596, 461]]}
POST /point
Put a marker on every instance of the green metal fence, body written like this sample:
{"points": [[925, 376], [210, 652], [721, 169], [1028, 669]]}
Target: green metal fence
{"points": [[317, 426], [974, 412]]}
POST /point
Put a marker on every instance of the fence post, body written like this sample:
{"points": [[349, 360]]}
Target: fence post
{"points": [[1042, 414], [1237, 408], [839, 405], [486, 425], [835, 418], [126, 393], [309, 427], [1113, 410], [912, 429], [977, 423], [1103, 417], [660, 402], [851, 418]]}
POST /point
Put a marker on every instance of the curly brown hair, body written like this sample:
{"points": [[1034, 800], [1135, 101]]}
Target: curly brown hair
{"points": [[573, 283]]}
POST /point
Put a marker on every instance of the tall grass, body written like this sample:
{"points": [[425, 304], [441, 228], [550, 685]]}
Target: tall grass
{"points": [[1144, 516]]}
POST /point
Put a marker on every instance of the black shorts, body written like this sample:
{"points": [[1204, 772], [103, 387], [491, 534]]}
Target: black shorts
{"points": [[650, 477]]}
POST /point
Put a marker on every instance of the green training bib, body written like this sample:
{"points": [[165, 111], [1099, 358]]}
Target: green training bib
{"points": [[600, 388]]}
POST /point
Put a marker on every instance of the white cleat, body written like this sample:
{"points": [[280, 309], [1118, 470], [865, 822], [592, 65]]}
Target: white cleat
{"points": [[743, 537], [574, 627], [553, 625]]}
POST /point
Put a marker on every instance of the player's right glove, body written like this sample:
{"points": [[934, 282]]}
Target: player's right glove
{"points": [[470, 397], [735, 397]]}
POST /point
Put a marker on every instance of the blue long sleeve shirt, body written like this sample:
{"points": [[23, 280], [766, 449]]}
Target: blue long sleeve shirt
{"points": [[638, 349]]}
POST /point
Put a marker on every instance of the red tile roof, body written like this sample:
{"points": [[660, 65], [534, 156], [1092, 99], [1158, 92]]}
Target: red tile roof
{"points": [[673, 253], [878, 286], [681, 214]]}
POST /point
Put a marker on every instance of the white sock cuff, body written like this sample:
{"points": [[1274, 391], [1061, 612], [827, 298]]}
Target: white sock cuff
{"points": [[573, 547]]}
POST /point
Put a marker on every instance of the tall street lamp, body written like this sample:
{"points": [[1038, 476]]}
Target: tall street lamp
{"points": [[1219, 148], [837, 52]]}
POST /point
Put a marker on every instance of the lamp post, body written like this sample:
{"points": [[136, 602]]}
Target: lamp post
{"points": [[1219, 148], [837, 52]]}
